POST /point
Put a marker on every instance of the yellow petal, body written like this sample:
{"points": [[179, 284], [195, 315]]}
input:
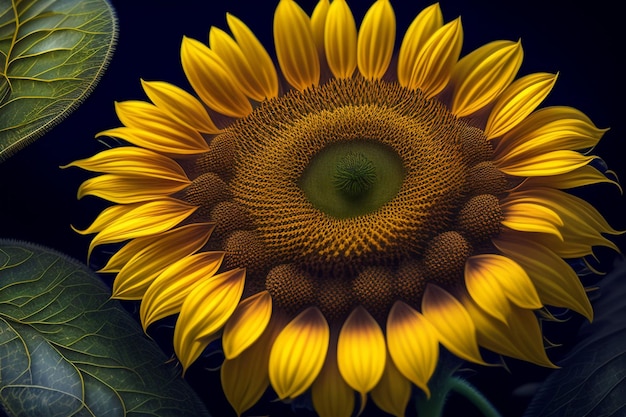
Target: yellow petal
{"points": [[247, 324], [556, 282], [134, 161], [497, 271], [145, 219], [376, 38], [205, 310], [575, 212], [551, 163], [318, 23], [434, 63], [210, 78], [454, 326], [157, 140], [298, 353], [236, 63], [486, 291], [520, 339], [423, 26], [143, 259], [191, 234], [106, 217], [517, 102], [585, 175], [179, 105], [143, 117], [582, 222], [257, 56], [393, 392], [361, 352], [166, 293], [482, 75], [526, 216], [413, 344], [549, 129], [126, 189], [340, 39], [295, 45], [245, 378], [330, 394]]}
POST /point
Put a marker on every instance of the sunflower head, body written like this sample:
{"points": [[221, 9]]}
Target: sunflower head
{"points": [[337, 215]]}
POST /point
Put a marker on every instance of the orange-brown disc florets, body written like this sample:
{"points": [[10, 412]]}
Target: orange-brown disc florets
{"points": [[419, 212]]}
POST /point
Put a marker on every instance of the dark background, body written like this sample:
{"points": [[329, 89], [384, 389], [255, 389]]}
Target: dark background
{"points": [[584, 42]]}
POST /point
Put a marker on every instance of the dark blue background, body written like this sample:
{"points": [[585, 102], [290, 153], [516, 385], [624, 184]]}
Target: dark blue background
{"points": [[583, 41]]}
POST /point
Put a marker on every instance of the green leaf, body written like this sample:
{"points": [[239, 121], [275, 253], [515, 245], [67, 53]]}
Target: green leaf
{"points": [[592, 378], [66, 349], [52, 53]]}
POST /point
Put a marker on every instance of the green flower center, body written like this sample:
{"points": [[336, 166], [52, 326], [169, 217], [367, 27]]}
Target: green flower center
{"points": [[352, 178]]}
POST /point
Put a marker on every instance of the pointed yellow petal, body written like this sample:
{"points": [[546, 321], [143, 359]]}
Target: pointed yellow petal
{"points": [[298, 353], [585, 175], [482, 75], [247, 323], [517, 102], [413, 344], [295, 45], [393, 392], [520, 339], [361, 352], [108, 216], [524, 216], [143, 117], [149, 218], [500, 271], [158, 140], [421, 29], [257, 56], [179, 105], [551, 163], [434, 63], [134, 161], [145, 258], [205, 310], [192, 234], [236, 63], [575, 212], [126, 189], [330, 394], [582, 222], [376, 38], [556, 282], [318, 23], [166, 293], [486, 291], [245, 378], [340, 39], [454, 326], [549, 129], [211, 80]]}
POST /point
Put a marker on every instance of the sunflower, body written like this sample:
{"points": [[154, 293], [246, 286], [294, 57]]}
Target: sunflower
{"points": [[336, 217]]}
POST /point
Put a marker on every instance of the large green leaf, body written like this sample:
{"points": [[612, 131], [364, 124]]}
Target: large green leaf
{"points": [[66, 349], [52, 53], [592, 378]]}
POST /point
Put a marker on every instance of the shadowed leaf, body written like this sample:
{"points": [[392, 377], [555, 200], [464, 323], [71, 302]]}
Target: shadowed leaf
{"points": [[592, 380], [66, 349], [52, 53]]}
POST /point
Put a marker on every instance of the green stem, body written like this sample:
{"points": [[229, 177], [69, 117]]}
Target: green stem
{"points": [[464, 388], [433, 407]]}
